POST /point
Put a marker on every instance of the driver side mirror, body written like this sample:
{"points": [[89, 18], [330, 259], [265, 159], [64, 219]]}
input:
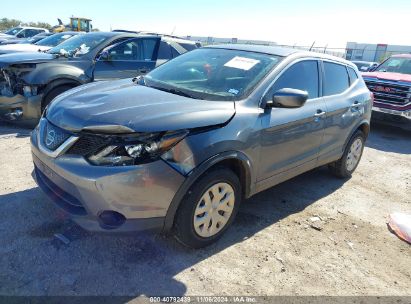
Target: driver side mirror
{"points": [[288, 98], [104, 56]]}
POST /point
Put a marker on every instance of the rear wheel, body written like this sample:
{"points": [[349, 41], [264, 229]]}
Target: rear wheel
{"points": [[347, 164], [208, 209], [53, 94]]}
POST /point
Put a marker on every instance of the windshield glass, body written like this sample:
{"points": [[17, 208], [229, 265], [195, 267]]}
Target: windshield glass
{"points": [[396, 65], [54, 40], [13, 31], [78, 45], [212, 74]]}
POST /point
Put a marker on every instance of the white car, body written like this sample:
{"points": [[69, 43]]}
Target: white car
{"points": [[42, 45], [21, 32]]}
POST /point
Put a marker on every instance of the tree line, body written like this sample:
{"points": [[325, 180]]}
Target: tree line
{"points": [[6, 23]]}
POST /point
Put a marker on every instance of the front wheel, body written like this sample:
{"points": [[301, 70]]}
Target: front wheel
{"points": [[208, 209], [347, 164]]}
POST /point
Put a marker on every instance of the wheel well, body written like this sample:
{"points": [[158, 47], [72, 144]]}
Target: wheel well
{"points": [[365, 128], [238, 168], [58, 83]]}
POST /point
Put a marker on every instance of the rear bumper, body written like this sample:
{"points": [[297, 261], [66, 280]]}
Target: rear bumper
{"points": [[22, 109]]}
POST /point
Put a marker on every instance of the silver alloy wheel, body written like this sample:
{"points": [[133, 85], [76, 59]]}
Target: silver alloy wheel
{"points": [[214, 209], [353, 156]]}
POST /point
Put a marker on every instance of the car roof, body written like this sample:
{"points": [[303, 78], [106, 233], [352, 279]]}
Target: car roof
{"points": [[31, 28], [113, 34], [402, 55], [271, 50], [279, 51]]}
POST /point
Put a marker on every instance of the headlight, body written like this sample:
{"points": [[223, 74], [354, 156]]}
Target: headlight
{"points": [[138, 149], [29, 91]]}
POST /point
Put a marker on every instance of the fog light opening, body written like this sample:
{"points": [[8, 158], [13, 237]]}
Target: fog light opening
{"points": [[111, 219]]}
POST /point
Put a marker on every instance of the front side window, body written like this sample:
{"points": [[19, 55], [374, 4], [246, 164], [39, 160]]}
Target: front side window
{"points": [[302, 75], [396, 65], [212, 73], [336, 78], [134, 50]]}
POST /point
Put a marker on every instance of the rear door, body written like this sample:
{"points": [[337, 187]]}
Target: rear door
{"points": [[126, 59], [344, 100], [292, 137]]}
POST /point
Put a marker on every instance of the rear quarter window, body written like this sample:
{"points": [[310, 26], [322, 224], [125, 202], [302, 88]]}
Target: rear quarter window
{"points": [[336, 78], [352, 75]]}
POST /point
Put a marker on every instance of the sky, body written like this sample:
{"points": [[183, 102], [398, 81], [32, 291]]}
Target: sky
{"points": [[291, 22]]}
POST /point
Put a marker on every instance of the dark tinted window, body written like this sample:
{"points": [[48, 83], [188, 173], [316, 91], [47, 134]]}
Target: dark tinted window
{"points": [[136, 49], [174, 52], [352, 74], [302, 76], [336, 78], [148, 48], [164, 51], [188, 46]]}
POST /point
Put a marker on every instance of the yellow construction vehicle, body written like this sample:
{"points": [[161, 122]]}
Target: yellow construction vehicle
{"points": [[77, 24]]}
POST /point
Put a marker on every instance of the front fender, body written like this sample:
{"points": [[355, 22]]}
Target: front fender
{"points": [[199, 171], [46, 73]]}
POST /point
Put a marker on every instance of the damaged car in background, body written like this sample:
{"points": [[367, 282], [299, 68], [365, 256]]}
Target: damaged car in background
{"points": [[30, 81]]}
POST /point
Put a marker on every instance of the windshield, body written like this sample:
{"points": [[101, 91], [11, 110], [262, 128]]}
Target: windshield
{"points": [[396, 65], [13, 31], [78, 45], [54, 40], [212, 74]]}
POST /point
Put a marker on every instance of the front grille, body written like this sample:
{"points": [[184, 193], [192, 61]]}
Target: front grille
{"points": [[88, 144], [391, 95], [63, 199], [53, 136]]}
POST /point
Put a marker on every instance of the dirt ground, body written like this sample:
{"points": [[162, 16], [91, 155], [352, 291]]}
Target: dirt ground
{"points": [[274, 248]]}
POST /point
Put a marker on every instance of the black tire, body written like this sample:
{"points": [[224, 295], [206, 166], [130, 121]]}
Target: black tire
{"points": [[339, 168], [53, 94], [184, 230]]}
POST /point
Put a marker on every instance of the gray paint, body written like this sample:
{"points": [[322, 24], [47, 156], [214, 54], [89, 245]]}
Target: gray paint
{"points": [[272, 145]]}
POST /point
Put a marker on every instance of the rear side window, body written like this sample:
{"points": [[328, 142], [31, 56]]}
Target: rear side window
{"points": [[188, 46], [352, 74], [336, 78], [164, 51], [302, 76]]}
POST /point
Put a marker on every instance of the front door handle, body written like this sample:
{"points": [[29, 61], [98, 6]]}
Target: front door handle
{"points": [[319, 113]]}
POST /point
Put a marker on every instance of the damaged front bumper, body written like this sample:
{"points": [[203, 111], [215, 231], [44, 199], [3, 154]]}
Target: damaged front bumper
{"points": [[19, 108]]}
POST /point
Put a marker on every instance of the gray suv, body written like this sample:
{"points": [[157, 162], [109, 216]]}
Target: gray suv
{"points": [[180, 148]]}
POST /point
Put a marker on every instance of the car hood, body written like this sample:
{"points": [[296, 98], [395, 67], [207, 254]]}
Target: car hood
{"points": [[388, 76], [108, 105], [22, 47], [29, 57]]}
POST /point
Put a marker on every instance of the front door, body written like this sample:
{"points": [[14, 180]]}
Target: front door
{"points": [[126, 59], [291, 137]]}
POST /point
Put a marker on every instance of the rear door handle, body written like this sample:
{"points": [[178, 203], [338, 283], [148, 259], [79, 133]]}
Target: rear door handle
{"points": [[356, 104]]}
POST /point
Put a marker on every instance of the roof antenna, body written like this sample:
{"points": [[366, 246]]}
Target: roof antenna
{"points": [[312, 46]]}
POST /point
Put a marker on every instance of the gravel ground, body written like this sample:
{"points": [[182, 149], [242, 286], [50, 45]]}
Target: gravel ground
{"points": [[274, 248]]}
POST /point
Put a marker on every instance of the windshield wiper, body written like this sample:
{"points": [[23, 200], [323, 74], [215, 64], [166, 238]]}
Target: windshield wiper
{"points": [[174, 91]]}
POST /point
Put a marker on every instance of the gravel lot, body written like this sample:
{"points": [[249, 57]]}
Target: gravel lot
{"points": [[271, 250]]}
